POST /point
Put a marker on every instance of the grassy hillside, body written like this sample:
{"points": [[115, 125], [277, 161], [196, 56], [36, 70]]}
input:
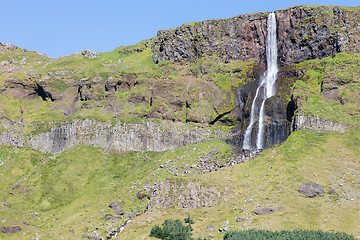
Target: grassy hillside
{"points": [[330, 88], [67, 194], [272, 179]]}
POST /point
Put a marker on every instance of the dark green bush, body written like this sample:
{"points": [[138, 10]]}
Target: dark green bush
{"points": [[286, 235], [171, 230]]}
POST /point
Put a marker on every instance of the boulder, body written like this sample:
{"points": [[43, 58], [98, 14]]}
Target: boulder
{"points": [[141, 195], [117, 208], [130, 215], [264, 210], [210, 228], [223, 228], [10, 229], [89, 54], [311, 190], [109, 217], [333, 191]]}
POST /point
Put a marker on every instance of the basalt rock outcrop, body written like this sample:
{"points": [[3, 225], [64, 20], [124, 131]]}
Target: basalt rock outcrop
{"points": [[241, 37], [54, 137], [304, 32]]}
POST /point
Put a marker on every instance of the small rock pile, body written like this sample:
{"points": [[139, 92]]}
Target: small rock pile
{"points": [[89, 54]]}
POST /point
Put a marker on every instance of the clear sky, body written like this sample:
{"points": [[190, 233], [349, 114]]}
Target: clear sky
{"points": [[62, 27]]}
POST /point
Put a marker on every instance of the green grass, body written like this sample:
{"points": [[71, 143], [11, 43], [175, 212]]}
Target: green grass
{"points": [[340, 72], [272, 179], [71, 190]]}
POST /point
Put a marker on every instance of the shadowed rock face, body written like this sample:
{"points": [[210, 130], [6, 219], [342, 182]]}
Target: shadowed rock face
{"points": [[241, 37], [303, 33]]}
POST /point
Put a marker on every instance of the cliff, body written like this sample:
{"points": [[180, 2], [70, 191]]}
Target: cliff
{"points": [[211, 82], [55, 137], [303, 33]]}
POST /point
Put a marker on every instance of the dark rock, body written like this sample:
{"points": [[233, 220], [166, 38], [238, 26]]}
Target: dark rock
{"points": [[311, 189], [333, 191], [141, 195], [303, 33], [10, 229], [223, 228], [264, 210], [117, 208]]}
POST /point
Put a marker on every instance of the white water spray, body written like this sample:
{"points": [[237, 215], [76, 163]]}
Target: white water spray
{"points": [[266, 87]]}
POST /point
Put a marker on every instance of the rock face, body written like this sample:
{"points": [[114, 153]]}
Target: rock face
{"points": [[317, 123], [303, 33], [183, 194], [311, 190], [119, 137], [241, 37], [316, 32]]}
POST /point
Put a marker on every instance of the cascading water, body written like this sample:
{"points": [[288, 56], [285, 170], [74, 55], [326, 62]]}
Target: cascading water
{"points": [[266, 87]]}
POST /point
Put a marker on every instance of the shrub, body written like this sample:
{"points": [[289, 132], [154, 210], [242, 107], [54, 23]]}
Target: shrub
{"points": [[173, 230], [282, 235]]}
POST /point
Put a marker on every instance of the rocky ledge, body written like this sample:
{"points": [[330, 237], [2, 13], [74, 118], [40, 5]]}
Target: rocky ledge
{"points": [[304, 32], [54, 137]]}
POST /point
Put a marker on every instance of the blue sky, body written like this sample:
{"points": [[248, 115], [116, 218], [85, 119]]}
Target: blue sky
{"points": [[62, 27]]}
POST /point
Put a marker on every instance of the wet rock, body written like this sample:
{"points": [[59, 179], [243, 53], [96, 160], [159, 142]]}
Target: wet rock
{"points": [[10, 229], [117, 208], [311, 190], [264, 210]]}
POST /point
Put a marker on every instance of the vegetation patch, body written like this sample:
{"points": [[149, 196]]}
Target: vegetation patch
{"points": [[295, 234]]}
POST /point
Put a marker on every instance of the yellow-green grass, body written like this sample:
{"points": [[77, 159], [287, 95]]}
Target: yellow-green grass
{"points": [[61, 193], [272, 179], [343, 70]]}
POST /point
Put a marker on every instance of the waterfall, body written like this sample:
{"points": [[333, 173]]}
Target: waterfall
{"points": [[266, 88]]}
